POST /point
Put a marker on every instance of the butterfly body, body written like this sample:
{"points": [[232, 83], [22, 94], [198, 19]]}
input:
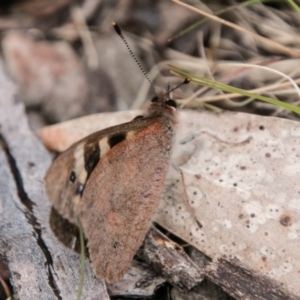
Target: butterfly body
{"points": [[110, 183]]}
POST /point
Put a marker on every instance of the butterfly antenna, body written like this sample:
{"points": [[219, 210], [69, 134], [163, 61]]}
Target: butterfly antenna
{"points": [[185, 81], [119, 32]]}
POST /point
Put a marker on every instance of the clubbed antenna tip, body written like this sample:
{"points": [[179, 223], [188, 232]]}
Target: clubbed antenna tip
{"points": [[117, 28], [119, 32]]}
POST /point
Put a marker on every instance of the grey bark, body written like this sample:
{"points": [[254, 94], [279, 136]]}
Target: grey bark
{"points": [[41, 268]]}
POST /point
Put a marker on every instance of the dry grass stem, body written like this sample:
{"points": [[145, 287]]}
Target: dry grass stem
{"points": [[279, 47]]}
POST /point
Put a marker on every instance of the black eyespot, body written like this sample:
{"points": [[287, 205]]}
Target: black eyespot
{"points": [[72, 177], [80, 189], [171, 102], [116, 139]]}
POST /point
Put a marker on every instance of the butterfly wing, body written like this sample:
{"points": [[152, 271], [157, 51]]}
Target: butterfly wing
{"points": [[121, 197], [58, 184], [66, 179]]}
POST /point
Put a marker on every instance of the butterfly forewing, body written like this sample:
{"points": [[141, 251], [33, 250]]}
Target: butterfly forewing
{"points": [[116, 213], [67, 177]]}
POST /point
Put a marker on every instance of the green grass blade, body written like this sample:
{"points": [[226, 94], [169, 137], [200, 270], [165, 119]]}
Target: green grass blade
{"points": [[227, 88]]}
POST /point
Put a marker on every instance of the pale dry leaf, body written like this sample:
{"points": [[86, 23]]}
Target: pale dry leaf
{"points": [[43, 70], [235, 192], [232, 190], [47, 73]]}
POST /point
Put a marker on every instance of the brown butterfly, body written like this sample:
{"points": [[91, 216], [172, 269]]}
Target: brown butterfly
{"points": [[110, 183]]}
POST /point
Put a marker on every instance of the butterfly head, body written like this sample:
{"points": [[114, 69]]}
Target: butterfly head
{"points": [[163, 104], [163, 101]]}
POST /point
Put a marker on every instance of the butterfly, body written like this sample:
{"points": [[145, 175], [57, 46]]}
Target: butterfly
{"points": [[110, 183]]}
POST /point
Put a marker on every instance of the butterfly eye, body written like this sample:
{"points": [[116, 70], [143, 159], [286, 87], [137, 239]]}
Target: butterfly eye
{"points": [[138, 117], [72, 176], [171, 102], [154, 100]]}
